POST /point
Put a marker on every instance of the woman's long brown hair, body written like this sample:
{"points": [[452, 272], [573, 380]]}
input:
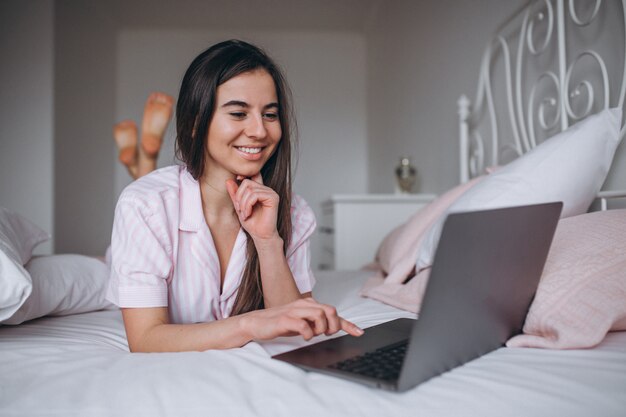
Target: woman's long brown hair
{"points": [[194, 112]]}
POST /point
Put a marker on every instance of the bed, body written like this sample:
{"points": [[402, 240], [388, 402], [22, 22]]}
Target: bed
{"points": [[79, 365], [63, 349]]}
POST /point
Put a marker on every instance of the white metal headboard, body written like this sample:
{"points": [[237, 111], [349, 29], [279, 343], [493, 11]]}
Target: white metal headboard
{"points": [[547, 103]]}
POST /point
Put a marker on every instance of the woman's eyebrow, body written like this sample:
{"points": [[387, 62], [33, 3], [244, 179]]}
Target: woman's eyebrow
{"points": [[239, 103]]}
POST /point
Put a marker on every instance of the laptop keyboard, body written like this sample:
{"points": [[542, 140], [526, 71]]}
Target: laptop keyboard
{"points": [[384, 363]]}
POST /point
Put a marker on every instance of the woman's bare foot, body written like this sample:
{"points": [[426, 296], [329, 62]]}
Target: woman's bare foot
{"points": [[142, 160], [125, 134], [156, 116]]}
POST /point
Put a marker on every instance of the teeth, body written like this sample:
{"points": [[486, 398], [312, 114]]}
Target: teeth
{"points": [[250, 150]]}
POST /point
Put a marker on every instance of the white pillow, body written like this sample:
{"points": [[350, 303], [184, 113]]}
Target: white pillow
{"points": [[18, 237], [62, 285], [569, 167], [15, 285]]}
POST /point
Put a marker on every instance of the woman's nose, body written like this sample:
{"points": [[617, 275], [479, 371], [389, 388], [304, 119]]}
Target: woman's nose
{"points": [[256, 128]]}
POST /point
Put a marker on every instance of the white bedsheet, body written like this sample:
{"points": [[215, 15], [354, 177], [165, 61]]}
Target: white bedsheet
{"points": [[80, 366]]}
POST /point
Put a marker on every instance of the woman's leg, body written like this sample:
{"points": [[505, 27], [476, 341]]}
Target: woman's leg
{"points": [[125, 134], [141, 160], [156, 116]]}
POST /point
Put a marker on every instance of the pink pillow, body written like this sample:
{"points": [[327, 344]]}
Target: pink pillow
{"points": [[398, 251], [582, 292]]}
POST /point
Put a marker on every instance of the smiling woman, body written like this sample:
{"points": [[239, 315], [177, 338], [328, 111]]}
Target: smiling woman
{"points": [[215, 253], [245, 129]]}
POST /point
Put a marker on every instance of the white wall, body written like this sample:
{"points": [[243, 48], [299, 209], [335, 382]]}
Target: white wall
{"points": [[326, 72], [404, 64], [87, 177], [423, 56], [84, 116], [26, 112]]}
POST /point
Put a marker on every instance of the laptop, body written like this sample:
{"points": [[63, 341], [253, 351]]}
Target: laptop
{"points": [[483, 279]]}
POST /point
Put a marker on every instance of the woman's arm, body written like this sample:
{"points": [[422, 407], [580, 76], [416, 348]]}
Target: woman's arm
{"points": [[279, 286], [149, 330], [257, 208]]}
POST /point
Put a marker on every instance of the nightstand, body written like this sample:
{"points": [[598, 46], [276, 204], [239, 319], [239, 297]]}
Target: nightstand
{"points": [[353, 226]]}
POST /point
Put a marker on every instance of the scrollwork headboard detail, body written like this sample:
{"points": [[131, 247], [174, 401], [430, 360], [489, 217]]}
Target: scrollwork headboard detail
{"points": [[553, 76]]}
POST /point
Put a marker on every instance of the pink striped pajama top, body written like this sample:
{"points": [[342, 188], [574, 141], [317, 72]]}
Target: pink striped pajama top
{"points": [[163, 255]]}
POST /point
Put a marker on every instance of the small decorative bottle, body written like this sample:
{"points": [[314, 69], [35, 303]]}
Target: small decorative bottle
{"points": [[406, 175]]}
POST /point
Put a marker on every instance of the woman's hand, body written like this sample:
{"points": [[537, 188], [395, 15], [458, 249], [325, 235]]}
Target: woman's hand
{"points": [[305, 317], [256, 205]]}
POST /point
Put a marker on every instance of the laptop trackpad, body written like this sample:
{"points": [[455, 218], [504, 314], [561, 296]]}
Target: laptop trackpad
{"points": [[331, 351]]}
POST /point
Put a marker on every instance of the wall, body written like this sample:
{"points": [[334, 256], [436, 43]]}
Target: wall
{"points": [[84, 110], [94, 90], [414, 59], [26, 116], [422, 56]]}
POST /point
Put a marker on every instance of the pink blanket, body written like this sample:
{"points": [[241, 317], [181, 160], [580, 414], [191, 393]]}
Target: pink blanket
{"points": [[581, 295], [395, 281]]}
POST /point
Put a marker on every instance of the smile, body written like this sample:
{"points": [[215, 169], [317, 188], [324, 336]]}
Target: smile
{"points": [[251, 151]]}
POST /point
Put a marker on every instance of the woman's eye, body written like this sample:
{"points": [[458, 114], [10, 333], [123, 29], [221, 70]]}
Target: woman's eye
{"points": [[271, 116], [238, 114]]}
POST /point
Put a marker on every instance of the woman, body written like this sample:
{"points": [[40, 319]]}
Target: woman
{"points": [[214, 253]]}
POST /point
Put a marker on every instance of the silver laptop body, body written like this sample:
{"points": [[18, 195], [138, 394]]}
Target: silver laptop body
{"points": [[484, 276]]}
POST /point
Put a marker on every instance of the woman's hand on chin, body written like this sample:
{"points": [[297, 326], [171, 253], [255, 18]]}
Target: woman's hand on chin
{"points": [[305, 317], [257, 207]]}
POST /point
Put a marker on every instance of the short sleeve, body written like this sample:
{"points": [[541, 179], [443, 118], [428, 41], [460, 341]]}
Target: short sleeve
{"points": [[141, 258], [299, 251]]}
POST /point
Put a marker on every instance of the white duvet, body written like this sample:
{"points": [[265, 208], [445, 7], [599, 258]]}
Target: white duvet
{"points": [[80, 366]]}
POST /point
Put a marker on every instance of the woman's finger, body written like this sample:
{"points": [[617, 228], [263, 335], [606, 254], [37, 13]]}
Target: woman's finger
{"points": [[244, 187], [247, 184], [299, 326], [351, 328], [253, 196], [315, 315], [232, 187], [258, 178], [332, 319], [320, 322], [248, 199]]}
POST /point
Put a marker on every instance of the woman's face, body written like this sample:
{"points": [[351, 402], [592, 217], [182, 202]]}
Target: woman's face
{"points": [[245, 128]]}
